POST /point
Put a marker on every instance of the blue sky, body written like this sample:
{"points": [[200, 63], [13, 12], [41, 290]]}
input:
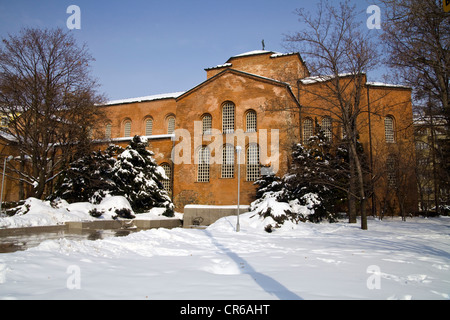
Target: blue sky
{"points": [[151, 47]]}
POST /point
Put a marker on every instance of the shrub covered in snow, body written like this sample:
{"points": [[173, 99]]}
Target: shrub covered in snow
{"points": [[309, 191], [138, 177], [130, 172], [89, 178]]}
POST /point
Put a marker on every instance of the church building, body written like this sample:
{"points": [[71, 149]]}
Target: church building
{"points": [[243, 121]]}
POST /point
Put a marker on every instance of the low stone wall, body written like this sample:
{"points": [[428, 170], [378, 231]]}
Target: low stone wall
{"points": [[95, 225], [198, 215], [125, 224]]}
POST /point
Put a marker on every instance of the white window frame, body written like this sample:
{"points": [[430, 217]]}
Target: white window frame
{"points": [[327, 127], [127, 128], [308, 129], [171, 124], [227, 171], [228, 118], [253, 171], [167, 183], [203, 174], [108, 131], [251, 121], [207, 124], [389, 129], [149, 127]]}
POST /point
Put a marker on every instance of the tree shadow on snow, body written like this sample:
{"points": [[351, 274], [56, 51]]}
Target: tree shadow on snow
{"points": [[267, 283]]}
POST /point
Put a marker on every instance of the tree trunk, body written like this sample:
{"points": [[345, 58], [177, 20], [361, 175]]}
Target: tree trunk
{"points": [[351, 194]]}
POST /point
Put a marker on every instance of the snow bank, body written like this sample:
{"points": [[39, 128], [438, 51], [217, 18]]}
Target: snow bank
{"points": [[35, 212]]}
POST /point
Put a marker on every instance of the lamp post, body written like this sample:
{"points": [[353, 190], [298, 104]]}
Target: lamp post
{"points": [[3, 179], [238, 151]]}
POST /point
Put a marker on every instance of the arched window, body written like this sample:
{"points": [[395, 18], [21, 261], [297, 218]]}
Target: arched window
{"points": [[228, 118], [253, 166], [228, 161], [389, 129], [149, 127], [327, 127], [250, 121], [207, 124], [108, 131], [167, 183], [307, 130], [127, 128], [203, 164], [170, 124]]}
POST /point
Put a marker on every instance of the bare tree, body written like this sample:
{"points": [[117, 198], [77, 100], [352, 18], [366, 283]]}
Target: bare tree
{"points": [[49, 99], [417, 36], [339, 54]]}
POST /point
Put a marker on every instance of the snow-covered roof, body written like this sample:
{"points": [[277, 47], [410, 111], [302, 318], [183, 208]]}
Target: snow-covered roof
{"points": [[225, 65], [381, 84], [274, 54], [317, 79], [173, 95], [254, 52]]}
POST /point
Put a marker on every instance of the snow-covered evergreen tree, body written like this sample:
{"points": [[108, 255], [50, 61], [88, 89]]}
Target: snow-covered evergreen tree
{"points": [[310, 191], [138, 178], [88, 179]]}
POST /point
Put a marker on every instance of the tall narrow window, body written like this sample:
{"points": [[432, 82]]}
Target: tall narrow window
{"points": [[170, 124], [228, 118], [127, 129], [307, 130], [148, 127], [108, 131], [228, 161], [207, 124], [203, 164], [167, 183], [389, 129], [327, 127], [253, 172], [391, 166], [251, 121]]}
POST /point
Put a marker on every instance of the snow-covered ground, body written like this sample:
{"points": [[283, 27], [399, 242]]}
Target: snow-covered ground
{"points": [[37, 213], [392, 260]]}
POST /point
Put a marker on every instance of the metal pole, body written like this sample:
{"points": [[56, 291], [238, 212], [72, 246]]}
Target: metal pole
{"points": [[238, 151]]}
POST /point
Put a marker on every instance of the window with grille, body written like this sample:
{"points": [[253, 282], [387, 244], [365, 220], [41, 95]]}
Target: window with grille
{"points": [[391, 165], [203, 164], [170, 125], [149, 127], [253, 167], [167, 183], [228, 161], [207, 124], [307, 130], [389, 129], [108, 131], [228, 118], [327, 127], [127, 128], [251, 121]]}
